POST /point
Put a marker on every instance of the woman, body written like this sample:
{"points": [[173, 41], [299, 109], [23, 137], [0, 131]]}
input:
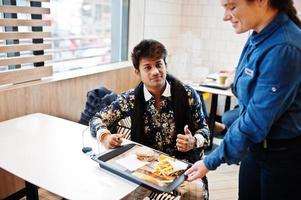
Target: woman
{"points": [[267, 134]]}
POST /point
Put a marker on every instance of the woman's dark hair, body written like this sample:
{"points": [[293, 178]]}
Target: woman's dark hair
{"points": [[286, 6], [148, 49]]}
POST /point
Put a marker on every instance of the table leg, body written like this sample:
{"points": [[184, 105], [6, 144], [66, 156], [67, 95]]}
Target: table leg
{"points": [[212, 117], [31, 191], [228, 103]]}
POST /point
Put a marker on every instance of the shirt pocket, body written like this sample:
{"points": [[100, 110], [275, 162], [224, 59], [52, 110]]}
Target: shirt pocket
{"points": [[245, 85]]}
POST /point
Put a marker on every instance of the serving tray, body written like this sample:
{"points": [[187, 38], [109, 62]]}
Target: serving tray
{"points": [[111, 161]]}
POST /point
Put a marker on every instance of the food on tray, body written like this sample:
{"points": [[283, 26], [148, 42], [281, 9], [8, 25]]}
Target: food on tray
{"points": [[161, 172], [165, 157], [164, 166], [146, 173], [145, 154]]}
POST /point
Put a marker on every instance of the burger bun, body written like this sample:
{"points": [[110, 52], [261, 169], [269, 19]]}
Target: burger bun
{"points": [[145, 154]]}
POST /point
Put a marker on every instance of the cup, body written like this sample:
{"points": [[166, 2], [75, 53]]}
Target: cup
{"points": [[222, 77]]}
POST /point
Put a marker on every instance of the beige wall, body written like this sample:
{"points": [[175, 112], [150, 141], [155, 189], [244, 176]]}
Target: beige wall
{"points": [[298, 5], [63, 98], [197, 39]]}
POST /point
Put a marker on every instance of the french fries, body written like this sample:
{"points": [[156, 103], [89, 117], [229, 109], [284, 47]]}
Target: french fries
{"points": [[163, 167]]}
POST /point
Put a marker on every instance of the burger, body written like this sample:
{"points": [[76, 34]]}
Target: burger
{"points": [[145, 154]]}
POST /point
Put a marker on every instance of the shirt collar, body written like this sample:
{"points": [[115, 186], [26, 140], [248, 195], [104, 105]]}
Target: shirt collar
{"points": [[148, 95], [257, 38]]}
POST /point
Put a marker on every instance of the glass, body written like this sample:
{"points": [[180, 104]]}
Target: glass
{"points": [[89, 143], [82, 33]]}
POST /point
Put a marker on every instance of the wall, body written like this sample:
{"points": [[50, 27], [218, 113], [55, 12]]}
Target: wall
{"points": [[214, 40], [197, 39], [156, 19], [64, 98], [298, 6], [162, 21]]}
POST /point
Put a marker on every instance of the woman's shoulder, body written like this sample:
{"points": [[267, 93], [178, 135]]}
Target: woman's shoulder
{"points": [[287, 35]]}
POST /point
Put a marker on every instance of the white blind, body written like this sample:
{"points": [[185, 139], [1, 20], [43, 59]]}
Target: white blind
{"points": [[22, 41]]}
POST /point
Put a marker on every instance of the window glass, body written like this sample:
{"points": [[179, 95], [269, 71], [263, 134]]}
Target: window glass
{"points": [[82, 33]]}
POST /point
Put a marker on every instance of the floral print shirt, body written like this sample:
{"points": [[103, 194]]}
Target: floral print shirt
{"points": [[159, 123]]}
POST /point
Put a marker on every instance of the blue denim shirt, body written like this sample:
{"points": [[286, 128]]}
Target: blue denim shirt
{"points": [[267, 85]]}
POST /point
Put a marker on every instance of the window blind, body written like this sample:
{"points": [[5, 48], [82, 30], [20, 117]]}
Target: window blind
{"points": [[22, 41]]}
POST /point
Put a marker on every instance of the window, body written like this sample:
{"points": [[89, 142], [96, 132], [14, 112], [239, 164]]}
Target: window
{"points": [[22, 41], [85, 32], [65, 34]]}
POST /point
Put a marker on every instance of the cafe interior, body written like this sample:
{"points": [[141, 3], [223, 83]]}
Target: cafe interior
{"points": [[54, 52]]}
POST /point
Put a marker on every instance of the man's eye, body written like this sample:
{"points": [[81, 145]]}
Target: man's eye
{"points": [[232, 8], [147, 68], [159, 65]]}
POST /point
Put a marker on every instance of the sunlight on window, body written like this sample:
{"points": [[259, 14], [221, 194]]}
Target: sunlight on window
{"points": [[81, 33]]}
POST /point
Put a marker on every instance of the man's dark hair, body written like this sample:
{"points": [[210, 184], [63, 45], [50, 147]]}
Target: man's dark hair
{"points": [[148, 49]]}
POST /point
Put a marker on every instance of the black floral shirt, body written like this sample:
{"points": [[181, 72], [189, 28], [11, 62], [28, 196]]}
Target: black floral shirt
{"points": [[159, 123]]}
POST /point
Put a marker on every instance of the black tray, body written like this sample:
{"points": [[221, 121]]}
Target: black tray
{"points": [[104, 162]]}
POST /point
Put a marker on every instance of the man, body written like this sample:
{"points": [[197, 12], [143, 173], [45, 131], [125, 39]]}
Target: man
{"points": [[165, 114]]}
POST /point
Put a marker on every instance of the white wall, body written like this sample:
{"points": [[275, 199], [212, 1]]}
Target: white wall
{"points": [[156, 19], [197, 39], [218, 45]]}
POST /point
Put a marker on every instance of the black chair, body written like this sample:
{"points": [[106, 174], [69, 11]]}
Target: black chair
{"points": [[96, 100]]}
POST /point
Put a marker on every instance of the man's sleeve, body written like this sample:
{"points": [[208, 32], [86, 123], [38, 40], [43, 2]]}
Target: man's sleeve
{"points": [[198, 118], [117, 110]]}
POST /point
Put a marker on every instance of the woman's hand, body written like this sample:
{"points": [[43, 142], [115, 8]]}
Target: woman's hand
{"points": [[198, 170]]}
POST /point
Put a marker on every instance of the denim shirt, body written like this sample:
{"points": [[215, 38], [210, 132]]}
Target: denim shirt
{"points": [[267, 85]]}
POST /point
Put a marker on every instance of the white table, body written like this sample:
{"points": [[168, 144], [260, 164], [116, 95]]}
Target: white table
{"points": [[47, 152], [217, 91]]}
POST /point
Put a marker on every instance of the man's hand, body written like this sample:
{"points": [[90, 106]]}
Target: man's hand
{"points": [[185, 142], [112, 140], [198, 170]]}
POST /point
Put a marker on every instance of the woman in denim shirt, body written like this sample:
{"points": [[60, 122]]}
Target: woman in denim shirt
{"points": [[266, 137]]}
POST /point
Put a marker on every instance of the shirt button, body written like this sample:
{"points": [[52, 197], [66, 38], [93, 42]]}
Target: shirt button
{"points": [[274, 89]]}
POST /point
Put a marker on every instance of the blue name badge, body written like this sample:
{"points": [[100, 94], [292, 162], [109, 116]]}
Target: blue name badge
{"points": [[249, 72]]}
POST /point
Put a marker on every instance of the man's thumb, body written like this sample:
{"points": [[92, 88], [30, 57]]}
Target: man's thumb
{"points": [[186, 130]]}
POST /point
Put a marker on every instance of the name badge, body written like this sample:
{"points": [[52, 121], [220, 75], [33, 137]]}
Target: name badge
{"points": [[249, 72]]}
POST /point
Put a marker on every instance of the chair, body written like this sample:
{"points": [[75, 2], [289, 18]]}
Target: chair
{"points": [[96, 100], [124, 127], [163, 196]]}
